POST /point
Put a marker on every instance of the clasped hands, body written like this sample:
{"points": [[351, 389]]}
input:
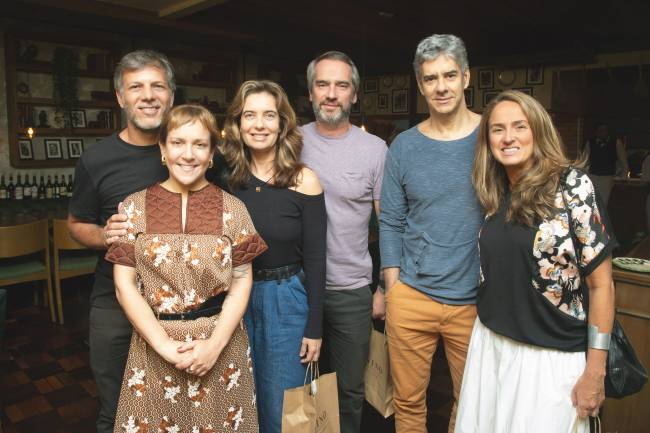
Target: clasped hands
{"points": [[195, 357]]}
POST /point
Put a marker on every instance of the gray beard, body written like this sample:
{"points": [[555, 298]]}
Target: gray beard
{"points": [[341, 116]]}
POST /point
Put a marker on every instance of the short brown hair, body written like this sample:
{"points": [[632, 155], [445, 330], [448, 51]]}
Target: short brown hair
{"points": [[189, 113]]}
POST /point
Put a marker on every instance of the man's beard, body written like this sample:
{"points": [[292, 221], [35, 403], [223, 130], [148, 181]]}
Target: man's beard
{"points": [[342, 115], [133, 119]]}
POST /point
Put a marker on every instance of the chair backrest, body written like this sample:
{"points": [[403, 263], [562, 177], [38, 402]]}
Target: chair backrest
{"points": [[23, 239], [61, 237]]}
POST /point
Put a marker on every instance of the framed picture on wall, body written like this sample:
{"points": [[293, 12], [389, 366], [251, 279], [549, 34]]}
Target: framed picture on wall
{"points": [[535, 75], [485, 79], [370, 85], [527, 90], [25, 149], [400, 101], [469, 97], [488, 95], [75, 147], [78, 118], [382, 100], [53, 148]]}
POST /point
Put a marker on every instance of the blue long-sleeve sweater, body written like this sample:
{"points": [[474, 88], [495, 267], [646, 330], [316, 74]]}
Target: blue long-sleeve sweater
{"points": [[430, 217]]}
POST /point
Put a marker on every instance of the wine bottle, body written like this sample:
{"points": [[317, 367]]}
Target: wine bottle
{"points": [[27, 188], [11, 188], [34, 188], [41, 189], [49, 189], [18, 192], [3, 188], [70, 185]]}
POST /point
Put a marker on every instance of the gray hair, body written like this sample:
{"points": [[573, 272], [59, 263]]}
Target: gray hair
{"points": [[435, 45], [140, 59], [333, 55]]}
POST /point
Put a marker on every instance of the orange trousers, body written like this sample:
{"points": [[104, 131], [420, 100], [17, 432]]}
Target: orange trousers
{"points": [[414, 323]]}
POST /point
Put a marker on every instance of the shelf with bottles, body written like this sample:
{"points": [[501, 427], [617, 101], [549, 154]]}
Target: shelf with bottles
{"points": [[20, 189]]}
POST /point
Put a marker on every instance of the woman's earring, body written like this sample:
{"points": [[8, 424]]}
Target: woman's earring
{"points": [[163, 160], [211, 164]]}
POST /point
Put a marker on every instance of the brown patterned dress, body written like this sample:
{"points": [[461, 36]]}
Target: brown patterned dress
{"points": [[177, 270]]}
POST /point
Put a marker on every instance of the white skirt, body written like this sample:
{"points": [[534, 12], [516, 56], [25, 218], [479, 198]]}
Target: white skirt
{"points": [[512, 387]]}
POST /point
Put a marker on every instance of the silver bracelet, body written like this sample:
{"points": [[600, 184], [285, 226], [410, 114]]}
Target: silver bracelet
{"points": [[597, 340]]}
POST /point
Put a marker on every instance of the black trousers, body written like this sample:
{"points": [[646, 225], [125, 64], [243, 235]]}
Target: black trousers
{"points": [[110, 336]]}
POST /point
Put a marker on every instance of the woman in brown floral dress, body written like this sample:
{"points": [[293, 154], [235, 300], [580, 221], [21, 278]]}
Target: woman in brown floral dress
{"points": [[183, 276]]}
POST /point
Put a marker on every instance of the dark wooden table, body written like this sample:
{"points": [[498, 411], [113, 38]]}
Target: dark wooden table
{"points": [[15, 212]]}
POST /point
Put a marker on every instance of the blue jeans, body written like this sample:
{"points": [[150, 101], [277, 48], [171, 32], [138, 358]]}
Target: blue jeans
{"points": [[275, 320]]}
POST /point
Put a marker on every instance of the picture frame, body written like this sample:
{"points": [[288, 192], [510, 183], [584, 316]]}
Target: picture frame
{"points": [[535, 75], [382, 100], [77, 119], [370, 85], [25, 149], [486, 79], [469, 97], [75, 147], [53, 148], [488, 95], [400, 101], [527, 90]]}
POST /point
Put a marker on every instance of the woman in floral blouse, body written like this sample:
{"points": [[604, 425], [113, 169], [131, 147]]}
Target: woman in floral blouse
{"points": [[545, 276], [183, 277]]}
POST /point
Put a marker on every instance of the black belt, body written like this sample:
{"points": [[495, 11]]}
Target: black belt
{"points": [[209, 308], [281, 273]]}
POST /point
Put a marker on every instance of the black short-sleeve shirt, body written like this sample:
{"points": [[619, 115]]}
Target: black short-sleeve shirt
{"points": [[105, 174], [532, 287]]}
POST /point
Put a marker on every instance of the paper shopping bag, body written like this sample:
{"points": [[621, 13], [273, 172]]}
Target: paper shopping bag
{"points": [[313, 407], [378, 383]]}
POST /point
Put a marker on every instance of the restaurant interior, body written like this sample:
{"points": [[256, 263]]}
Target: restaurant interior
{"points": [[587, 63]]}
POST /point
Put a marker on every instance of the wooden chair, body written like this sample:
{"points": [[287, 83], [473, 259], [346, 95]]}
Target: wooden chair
{"points": [[19, 245], [69, 259]]}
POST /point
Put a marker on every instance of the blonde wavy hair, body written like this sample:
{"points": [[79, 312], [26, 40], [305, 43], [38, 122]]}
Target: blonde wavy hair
{"points": [[533, 196], [287, 148]]}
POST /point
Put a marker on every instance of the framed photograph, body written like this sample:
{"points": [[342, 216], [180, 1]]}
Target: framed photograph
{"points": [[488, 95], [469, 97], [535, 75], [486, 79], [400, 101], [527, 90], [78, 119], [75, 147], [370, 85], [382, 100], [53, 148], [25, 150]]}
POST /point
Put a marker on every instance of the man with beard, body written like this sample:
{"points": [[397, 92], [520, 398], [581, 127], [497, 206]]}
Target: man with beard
{"points": [[106, 173], [349, 163], [428, 229]]}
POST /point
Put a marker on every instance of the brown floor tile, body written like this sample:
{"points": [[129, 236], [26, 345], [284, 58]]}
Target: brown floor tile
{"points": [[14, 379], [66, 395], [79, 410], [19, 393], [54, 382], [72, 362], [35, 406], [45, 422], [14, 413], [43, 370], [90, 387], [43, 386]]}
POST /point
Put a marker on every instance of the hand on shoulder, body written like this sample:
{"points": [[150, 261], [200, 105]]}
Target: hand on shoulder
{"points": [[308, 182]]}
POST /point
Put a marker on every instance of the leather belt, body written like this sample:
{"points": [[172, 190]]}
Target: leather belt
{"points": [[281, 273], [209, 308]]}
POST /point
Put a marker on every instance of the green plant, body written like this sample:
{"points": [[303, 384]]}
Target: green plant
{"points": [[66, 80]]}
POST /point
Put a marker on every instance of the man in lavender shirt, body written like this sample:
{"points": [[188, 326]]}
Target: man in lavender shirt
{"points": [[349, 163]]}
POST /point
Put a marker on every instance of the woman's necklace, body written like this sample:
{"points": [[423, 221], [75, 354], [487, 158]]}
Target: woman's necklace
{"points": [[259, 188]]}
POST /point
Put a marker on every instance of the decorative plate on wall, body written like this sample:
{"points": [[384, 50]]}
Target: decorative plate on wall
{"points": [[506, 77], [387, 81]]}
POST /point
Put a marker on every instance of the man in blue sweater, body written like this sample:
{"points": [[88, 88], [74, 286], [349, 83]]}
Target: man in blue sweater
{"points": [[429, 224]]}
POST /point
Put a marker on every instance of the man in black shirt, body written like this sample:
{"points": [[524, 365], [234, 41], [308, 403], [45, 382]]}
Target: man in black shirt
{"points": [[604, 153], [113, 168]]}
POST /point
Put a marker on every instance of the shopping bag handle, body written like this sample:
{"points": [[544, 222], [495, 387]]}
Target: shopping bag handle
{"points": [[312, 368]]}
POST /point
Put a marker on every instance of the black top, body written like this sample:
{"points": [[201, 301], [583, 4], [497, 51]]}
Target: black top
{"points": [[532, 290], [294, 226], [105, 174], [602, 156]]}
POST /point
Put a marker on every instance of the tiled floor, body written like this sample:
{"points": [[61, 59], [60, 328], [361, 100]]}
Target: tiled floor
{"points": [[46, 384]]}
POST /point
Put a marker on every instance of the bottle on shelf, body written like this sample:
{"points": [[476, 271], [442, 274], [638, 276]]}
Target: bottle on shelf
{"points": [[55, 187], [11, 188], [70, 187], [41, 189], [3, 188], [34, 188], [63, 188], [27, 188], [18, 192], [49, 188]]}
